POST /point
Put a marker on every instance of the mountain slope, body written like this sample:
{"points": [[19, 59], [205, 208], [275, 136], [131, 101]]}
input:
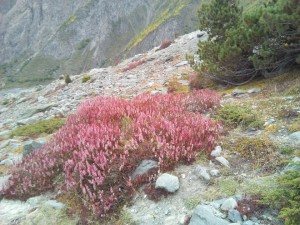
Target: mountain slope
{"points": [[43, 39]]}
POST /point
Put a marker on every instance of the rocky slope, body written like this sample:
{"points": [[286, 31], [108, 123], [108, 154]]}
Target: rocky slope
{"points": [[43, 39], [207, 191]]}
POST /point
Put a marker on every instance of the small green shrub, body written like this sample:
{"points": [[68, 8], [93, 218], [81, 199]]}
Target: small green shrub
{"points": [[86, 78], [67, 79], [5, 102], [40, 127], [240, 115], [286, 197]]}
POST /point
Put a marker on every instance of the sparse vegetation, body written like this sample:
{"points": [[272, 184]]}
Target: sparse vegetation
{"points": [[38, 128], [174, 86], [261, 152], [85, 78], [286, 197]]}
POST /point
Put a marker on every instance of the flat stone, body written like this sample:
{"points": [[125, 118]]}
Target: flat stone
{"points": [[203, 215], [229, 204], [168, 182], [183, 63], [144, 168], [4, 144], [223, 161]]}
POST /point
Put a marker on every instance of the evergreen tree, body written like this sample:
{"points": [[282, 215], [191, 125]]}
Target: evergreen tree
{"points": [[241, 46]]}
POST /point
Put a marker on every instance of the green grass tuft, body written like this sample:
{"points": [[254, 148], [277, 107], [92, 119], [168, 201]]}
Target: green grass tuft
{"points": [[38, 128]]}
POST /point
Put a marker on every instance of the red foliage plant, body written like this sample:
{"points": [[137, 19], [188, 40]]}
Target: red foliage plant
{"points": [[103, 142], [165, 44], [248, 205], [133, 65]]}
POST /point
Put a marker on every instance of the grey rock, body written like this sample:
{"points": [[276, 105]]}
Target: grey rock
{"points": [[223, 161], [237, 92], [229, 204], [27, 120], [168, 182], [201, 172], [248, 222], [6, 162], [144, 167], [217, 151], [28, 148], [269, 121], [203, 215], [289, 97], [55, 204], [234, 216], [40, 108], [214, 172], [295, 137], [292, 165]]}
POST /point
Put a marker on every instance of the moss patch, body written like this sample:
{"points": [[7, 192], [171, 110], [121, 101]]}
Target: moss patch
{"points": [[38, 128], [236, 115]]}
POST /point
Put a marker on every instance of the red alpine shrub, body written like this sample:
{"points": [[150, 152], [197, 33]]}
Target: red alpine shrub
{"points": [[106, 139], [165, 44], [133, 65]]}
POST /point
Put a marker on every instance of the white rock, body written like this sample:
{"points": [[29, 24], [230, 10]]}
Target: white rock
{"points": [[229, 204], [223, 161], [214, 172], [217, 151]]}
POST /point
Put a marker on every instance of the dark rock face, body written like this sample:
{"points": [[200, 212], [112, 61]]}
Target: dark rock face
{"points": [[42, 39]]}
